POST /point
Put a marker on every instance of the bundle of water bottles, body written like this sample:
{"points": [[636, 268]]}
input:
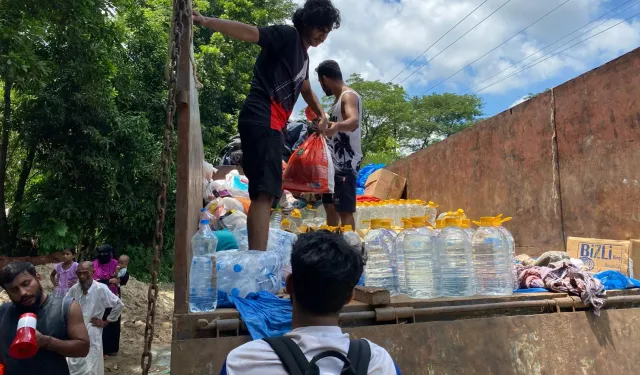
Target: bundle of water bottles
{"points": [[235, 273], [441, 258]]}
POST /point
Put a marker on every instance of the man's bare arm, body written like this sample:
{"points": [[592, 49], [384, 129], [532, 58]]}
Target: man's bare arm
{"points": [[232, 29], [350, 114], [78, 344], [312, 100]]}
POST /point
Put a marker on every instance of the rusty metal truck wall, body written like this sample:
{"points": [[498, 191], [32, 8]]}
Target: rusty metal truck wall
{"points": [[552, 344], [565, 163]]}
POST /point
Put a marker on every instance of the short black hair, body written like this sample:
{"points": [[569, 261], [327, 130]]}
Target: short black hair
{"points": [[329, 69], [319, 14], [325, 269], [70, 249], [13, 269]]}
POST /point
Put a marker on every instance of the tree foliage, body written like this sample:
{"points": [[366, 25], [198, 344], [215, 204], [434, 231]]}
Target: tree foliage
{"points": [[83, 96], [83, 111], [394, 124]]}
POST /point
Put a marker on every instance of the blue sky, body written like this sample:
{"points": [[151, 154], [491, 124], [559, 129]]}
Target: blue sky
{"points": [[378, 38]]}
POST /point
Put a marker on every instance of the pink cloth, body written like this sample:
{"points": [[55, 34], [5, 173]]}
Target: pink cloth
{"points": [[106, 271], [64, 277]]}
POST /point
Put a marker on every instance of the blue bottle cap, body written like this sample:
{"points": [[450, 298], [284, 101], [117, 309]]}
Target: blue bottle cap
{"points": [[237, 268], [235, 292]]}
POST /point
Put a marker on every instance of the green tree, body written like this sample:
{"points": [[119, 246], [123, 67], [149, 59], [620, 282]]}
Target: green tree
{"points": [[437, 116]]}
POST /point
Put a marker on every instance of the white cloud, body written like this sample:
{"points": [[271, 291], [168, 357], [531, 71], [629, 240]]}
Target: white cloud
{"points": [[519, 101], [378, 37]]}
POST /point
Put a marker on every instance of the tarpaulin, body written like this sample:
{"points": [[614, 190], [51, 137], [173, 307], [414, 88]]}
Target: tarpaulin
{"points": [[264, 314], [616, 280]]}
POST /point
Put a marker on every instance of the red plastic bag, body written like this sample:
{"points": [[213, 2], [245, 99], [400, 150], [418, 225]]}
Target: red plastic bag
{"points": [[310, 168]]}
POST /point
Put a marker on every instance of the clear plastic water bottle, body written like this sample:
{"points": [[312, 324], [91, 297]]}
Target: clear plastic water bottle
{"points": [[203, 280], [465, 224], [456, 261], [511, 243], [204, 242], [491, 260], [379, 268], [276, 219], [431, 213], [417, 209], [438, 228], [421, 261], [242, 238], [400, 260], [352, 237], [269, 262], [203, 295], [271, 283]]}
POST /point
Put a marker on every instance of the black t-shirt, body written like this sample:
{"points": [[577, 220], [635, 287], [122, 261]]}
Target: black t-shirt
{"points": [[281, 68]]}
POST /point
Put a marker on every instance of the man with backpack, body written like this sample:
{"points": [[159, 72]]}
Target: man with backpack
{"points": [[325, 271]]}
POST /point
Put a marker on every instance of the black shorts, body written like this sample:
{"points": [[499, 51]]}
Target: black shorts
{"points": [[262, 159], [344, 193]]}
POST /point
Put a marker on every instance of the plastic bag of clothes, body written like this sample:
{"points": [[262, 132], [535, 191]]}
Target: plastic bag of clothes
{"points": [[310, 168], [264, 314]]}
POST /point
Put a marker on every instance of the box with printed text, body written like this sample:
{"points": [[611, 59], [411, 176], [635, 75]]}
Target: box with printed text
{"points": [[601, 255]]}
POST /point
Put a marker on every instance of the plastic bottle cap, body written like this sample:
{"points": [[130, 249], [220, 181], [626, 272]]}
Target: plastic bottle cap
{"points": [[418, 222], [375, 223], [451, 222], [465, 223], [286, 222], [235, 292], [487, 221], [204, 221], [237, 268], [407, 223], [433, 205]]}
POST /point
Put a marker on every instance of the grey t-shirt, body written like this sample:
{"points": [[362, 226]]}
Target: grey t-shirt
{"points": [[52, 321]]}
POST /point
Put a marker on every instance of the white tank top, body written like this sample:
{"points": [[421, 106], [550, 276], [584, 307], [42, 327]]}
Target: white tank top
{"points": [[346, 146]]}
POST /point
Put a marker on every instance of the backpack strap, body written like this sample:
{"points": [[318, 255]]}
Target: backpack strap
{"points": [[359, 355], [292, 358]]}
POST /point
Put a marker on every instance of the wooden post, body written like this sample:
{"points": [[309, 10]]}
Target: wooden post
{"points": [[189, 164]]}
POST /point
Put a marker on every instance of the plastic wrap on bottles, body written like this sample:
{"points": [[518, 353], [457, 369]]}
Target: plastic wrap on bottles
{"points": [[242, 238]]}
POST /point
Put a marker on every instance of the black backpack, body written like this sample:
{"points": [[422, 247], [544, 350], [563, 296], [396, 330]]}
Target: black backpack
{"points": [[293, 360]]}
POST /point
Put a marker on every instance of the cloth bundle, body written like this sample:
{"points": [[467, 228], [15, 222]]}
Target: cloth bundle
{"points": [[564, 277]]}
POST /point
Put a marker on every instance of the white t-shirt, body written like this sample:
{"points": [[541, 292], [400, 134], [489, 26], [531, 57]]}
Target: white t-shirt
{"points": [[346, 147], [257, 357]]}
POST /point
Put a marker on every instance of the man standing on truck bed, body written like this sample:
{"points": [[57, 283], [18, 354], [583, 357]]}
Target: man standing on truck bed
{"points": [[280, 74], [345, 142]]}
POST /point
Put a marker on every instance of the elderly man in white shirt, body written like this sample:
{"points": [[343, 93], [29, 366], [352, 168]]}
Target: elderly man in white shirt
{"points": [[94, 298]]}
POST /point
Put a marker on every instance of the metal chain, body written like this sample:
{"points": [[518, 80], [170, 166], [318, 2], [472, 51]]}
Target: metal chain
{"points": [[180, 10]]}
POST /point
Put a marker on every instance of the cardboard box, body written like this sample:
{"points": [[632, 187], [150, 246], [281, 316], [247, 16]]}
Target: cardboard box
{"points": [[634, 259], [601, 255], [384, 184]]}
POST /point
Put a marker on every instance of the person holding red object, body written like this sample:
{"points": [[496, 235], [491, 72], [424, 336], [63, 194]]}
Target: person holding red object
{"points": [[60, 329], [280, 75]]}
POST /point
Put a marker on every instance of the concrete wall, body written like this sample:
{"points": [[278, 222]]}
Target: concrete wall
{"points": [[566, 163]]}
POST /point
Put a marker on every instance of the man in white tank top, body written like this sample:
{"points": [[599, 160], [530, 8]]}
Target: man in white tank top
{"points": [[344, 135]]}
